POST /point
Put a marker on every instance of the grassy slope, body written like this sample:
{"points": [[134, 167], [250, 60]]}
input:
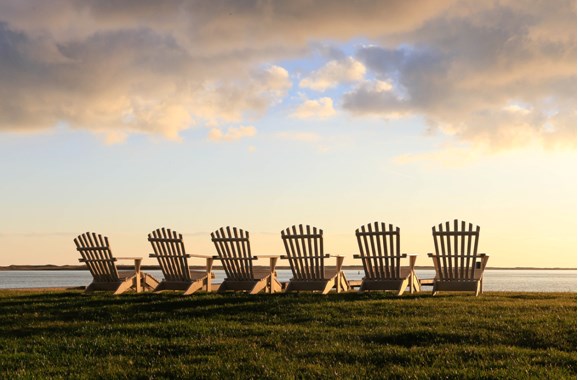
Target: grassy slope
{"points": [[499, 335]]}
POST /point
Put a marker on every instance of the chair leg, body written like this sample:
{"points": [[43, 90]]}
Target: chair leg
{"points": [[479, 288], [416, 284], [207, 284], [276, 286], [193, 287], [328, 287], [402, 287], [259, 286], [149, 282], [124, 286], [344, 284]]}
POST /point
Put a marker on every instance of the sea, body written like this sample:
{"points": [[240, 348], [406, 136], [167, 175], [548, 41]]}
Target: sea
{"points": [[514, 280]]}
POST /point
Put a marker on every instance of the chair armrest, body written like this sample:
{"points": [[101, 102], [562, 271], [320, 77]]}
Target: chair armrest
{"points": [[233, 258], [330, 255], [155, 255], [357, 256], [129, 258], [485, 259], [265, 256], [200, 256], [402, 256], [285, 257], [470, 256], [100, 260]]}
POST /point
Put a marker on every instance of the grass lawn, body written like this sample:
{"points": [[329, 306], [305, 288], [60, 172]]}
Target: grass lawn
{"points": [[498, 335]]}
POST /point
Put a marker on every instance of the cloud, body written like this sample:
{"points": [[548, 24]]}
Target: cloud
{"points": [[117, 68], [160, 68], [215, 134], [495, 76], [334, 73], [321, 108]]}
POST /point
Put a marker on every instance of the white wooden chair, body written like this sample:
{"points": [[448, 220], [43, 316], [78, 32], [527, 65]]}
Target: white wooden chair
{"points": [[458, 265], [379, 251], [96, 254], [170, 252], [234, 251], [304, 248]]}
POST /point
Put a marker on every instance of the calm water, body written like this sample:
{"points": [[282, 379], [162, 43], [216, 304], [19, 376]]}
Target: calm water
{"points": [[494, 280]]}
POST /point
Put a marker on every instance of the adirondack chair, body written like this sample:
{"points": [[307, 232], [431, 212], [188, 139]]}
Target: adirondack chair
{"points": [[458, 265], [234, 251], [169, 250], [96, 254], [379, 247], [304, 248]]}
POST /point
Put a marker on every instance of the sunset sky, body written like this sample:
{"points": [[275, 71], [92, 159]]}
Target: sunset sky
{"points": [[120, 117]]}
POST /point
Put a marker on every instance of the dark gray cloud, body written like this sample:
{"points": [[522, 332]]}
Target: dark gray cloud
{"points": [[498, 76]]}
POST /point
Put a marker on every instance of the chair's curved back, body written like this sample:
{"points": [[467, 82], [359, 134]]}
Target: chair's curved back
{"points": [[304, 248], [456, 245], [234, 250], [169, 250], [95, 252], [379, 248]]}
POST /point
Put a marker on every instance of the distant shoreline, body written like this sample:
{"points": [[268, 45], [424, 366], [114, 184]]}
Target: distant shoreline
{"points": [[156, 267]]}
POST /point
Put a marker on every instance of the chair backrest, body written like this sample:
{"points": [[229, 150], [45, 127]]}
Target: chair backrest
{"points": [[169, 250], [304, 248], [234, 250], [95, 252], [379, 250], [456, 244]]}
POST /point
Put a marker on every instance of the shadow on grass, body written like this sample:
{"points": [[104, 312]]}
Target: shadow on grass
{"points": [[420, 338]]}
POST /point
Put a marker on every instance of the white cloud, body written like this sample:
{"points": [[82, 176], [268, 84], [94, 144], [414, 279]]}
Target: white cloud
{"points": [[516, 108], [232, 133], [333, 73], [321, 108]]}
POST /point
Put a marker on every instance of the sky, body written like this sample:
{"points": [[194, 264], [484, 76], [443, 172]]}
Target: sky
{"points": [[120, 117]]}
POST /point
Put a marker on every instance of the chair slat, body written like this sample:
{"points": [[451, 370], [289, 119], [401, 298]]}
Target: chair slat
{"points": [[96, 254], [232, 245], [379, 248], [170, 252], [456, 247], [304, 248]]}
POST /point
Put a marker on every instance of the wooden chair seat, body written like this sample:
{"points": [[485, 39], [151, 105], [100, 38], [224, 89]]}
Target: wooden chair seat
{"points": [[379, 247], [169, 250], [96, 254], [477, 276], [304, 249], [234, 251], [458, 265]]}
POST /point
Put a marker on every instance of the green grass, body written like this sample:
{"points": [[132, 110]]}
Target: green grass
{"points": [[498, 335]]}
